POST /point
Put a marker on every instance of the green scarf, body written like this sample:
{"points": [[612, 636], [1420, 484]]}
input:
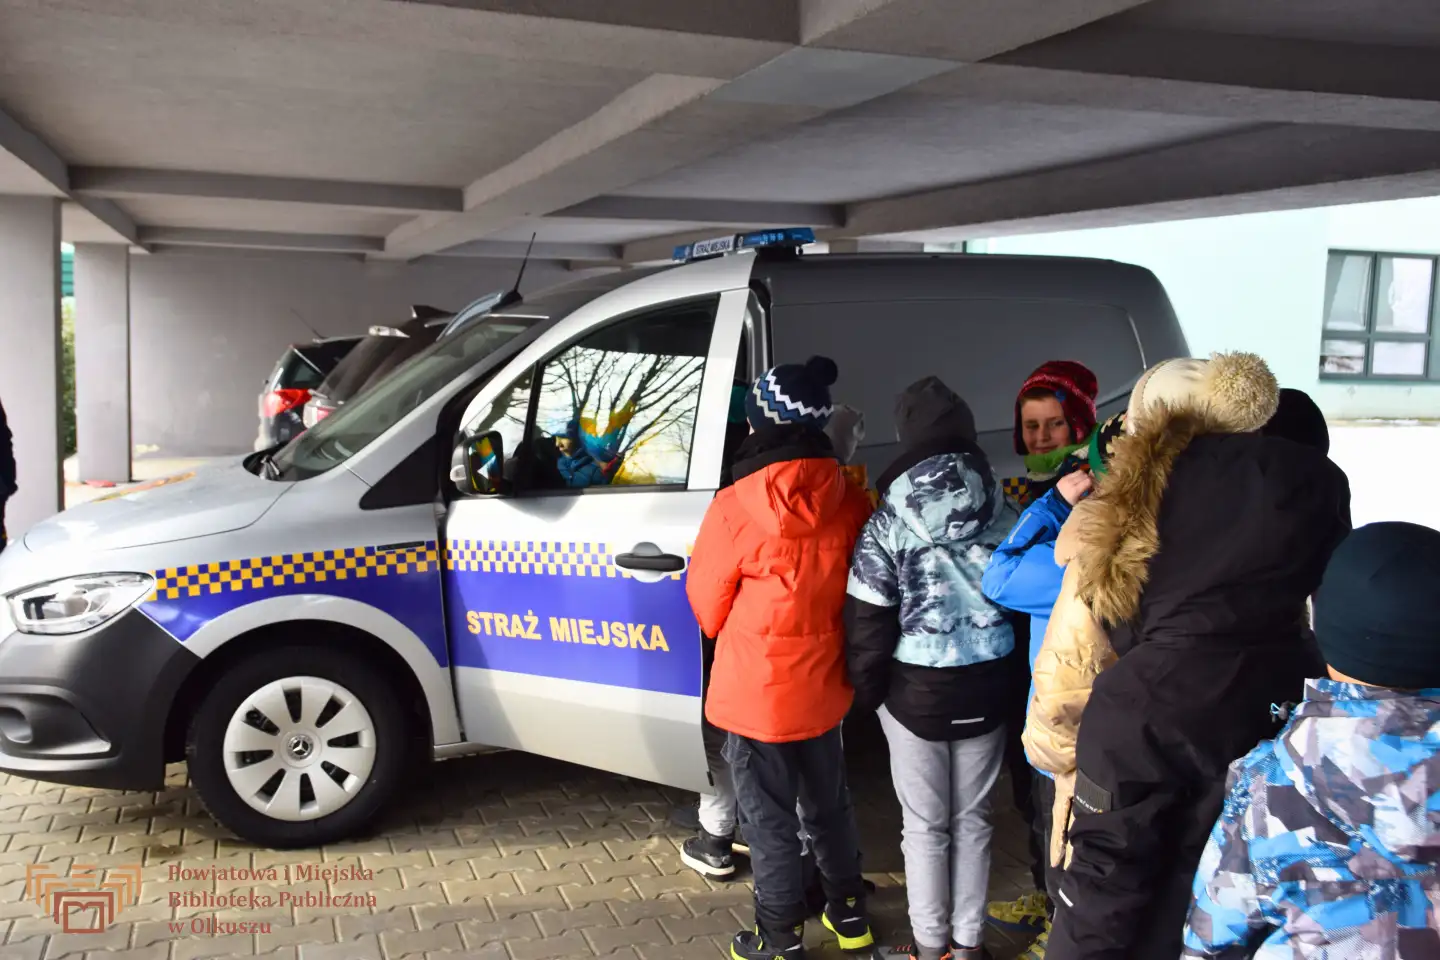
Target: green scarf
{"points": [[1044, 464]]}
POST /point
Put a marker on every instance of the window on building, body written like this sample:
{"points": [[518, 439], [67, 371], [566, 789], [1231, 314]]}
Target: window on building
{"points": [[1380, 318]]}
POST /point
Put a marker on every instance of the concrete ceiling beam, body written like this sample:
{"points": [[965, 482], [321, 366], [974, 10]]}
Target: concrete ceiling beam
{"points": [[752, 19], [469, 29], [1252, 164], [861, 50], [260, 239], [129, 183], [1009, 83], [660, 123], [49, 175], [50, 172], [960, 30], [1255, 62], [740, 213], [516, 249]]}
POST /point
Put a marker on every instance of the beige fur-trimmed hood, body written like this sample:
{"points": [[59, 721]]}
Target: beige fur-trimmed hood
{"points": [[1112, 539]]}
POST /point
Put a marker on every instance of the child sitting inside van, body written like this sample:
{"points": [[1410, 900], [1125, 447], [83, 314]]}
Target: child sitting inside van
{"points": [[767, 580], [1329, 839]]}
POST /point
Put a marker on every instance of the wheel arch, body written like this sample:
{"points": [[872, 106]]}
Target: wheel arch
{"points": [[321, 621]]}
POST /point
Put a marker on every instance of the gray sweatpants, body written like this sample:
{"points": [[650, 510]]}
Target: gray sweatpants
{"points": [[944, 792], [718, 807]]}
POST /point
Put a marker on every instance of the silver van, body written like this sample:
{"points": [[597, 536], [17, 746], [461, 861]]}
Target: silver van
{"points": [[488, 548]]}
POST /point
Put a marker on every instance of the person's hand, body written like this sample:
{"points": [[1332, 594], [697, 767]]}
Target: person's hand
{"points": [[1075, 486]]}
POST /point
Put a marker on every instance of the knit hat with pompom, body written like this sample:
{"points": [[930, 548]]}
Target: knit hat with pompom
{"points": [[1237, 389], [793, 394]]}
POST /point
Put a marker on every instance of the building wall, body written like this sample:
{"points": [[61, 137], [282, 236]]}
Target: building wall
{"points": [[1257, 282], [206, 329]]}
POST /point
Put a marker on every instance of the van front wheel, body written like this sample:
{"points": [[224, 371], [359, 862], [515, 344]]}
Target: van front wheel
{"points": [[299, 746]]}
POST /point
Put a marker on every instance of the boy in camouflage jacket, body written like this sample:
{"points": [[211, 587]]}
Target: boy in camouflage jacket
{"points": [[1330, 835]]}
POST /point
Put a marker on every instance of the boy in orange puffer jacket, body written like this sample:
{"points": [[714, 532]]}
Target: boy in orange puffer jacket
{"points": [[768, 579]]}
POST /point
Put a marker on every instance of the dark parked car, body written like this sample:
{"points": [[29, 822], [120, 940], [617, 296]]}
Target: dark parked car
{"points": [[301, 368], [388, 347], [384, 349]]}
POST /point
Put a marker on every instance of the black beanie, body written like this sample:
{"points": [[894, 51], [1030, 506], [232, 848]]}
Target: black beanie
{"points": [[1376, 618], [1300, 420], [929, 410]]}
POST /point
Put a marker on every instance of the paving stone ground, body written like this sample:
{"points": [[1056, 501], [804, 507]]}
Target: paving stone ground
{"points": [[502, 857]]}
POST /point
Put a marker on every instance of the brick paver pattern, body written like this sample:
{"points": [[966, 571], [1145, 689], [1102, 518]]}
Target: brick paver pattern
{"points": [[502, 856]]}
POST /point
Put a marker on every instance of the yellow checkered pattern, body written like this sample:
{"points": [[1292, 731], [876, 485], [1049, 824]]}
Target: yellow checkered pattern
{"points": [[569, 559], [257, 573], [1017, 489]]}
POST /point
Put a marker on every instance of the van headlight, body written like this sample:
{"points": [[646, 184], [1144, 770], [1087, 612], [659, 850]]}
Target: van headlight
{"points": [[77, 604]]}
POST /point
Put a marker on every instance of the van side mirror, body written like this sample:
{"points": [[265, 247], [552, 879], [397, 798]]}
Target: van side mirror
{"points": [[477, 467]]}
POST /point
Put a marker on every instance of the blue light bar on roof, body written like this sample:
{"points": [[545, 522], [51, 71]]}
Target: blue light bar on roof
{"points": [[754, 240]]}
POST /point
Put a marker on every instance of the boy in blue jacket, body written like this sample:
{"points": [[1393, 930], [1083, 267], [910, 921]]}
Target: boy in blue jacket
{"points": [[1022, 576]]}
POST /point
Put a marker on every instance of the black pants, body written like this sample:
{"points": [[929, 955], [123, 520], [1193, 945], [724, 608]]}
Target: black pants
{"points": [[769, 779], [1043, 792]]}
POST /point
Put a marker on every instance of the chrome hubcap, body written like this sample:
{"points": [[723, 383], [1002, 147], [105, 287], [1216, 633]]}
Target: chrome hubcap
{"points": [[299, 748]]}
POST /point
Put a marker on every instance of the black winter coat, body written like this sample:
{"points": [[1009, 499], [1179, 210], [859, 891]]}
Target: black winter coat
{"points": [[1216, 636], [7, 459], [7, 471]]}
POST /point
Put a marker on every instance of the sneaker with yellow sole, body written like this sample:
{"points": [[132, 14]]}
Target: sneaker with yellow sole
{"points": [[1037, 949], [1024, 915]]}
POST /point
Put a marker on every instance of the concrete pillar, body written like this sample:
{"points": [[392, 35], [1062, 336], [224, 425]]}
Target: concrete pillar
{"points": [[864, 245], [30, 354], [102, 361]]}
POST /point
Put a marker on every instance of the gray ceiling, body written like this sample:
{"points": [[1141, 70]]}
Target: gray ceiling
{"points": [[409, 128]]}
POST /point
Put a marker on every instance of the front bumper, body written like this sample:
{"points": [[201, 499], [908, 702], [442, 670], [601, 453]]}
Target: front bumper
{"points": [[90, 710]]}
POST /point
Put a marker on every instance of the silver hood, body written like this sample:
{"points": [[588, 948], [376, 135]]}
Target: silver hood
{"points": [[211, 499]]}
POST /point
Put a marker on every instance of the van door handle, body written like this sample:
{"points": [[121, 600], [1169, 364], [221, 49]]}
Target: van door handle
{"points": [[647, 556], [399, 547]]}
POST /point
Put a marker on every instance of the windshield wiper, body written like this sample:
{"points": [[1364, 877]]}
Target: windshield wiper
{"points": [[269, 469]]}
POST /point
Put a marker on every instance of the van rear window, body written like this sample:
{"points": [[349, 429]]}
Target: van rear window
{"points": [[982, 348]]}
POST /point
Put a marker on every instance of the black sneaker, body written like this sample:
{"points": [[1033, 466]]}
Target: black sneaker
{"points": [[849, 924], [708, 855], [753, 945]]}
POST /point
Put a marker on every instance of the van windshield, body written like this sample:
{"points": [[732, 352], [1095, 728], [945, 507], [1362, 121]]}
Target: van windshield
{"points": [[351, 428], [382, 403]]}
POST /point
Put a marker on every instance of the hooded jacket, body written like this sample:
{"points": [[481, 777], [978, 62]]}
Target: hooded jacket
{"points": [[921, 637], [1330, 836], [767, 580], [1107, 541], [1205, 591]]}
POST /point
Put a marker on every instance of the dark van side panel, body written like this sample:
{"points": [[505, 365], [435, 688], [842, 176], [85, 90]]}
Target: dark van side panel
{"points": [[979, 322]]}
